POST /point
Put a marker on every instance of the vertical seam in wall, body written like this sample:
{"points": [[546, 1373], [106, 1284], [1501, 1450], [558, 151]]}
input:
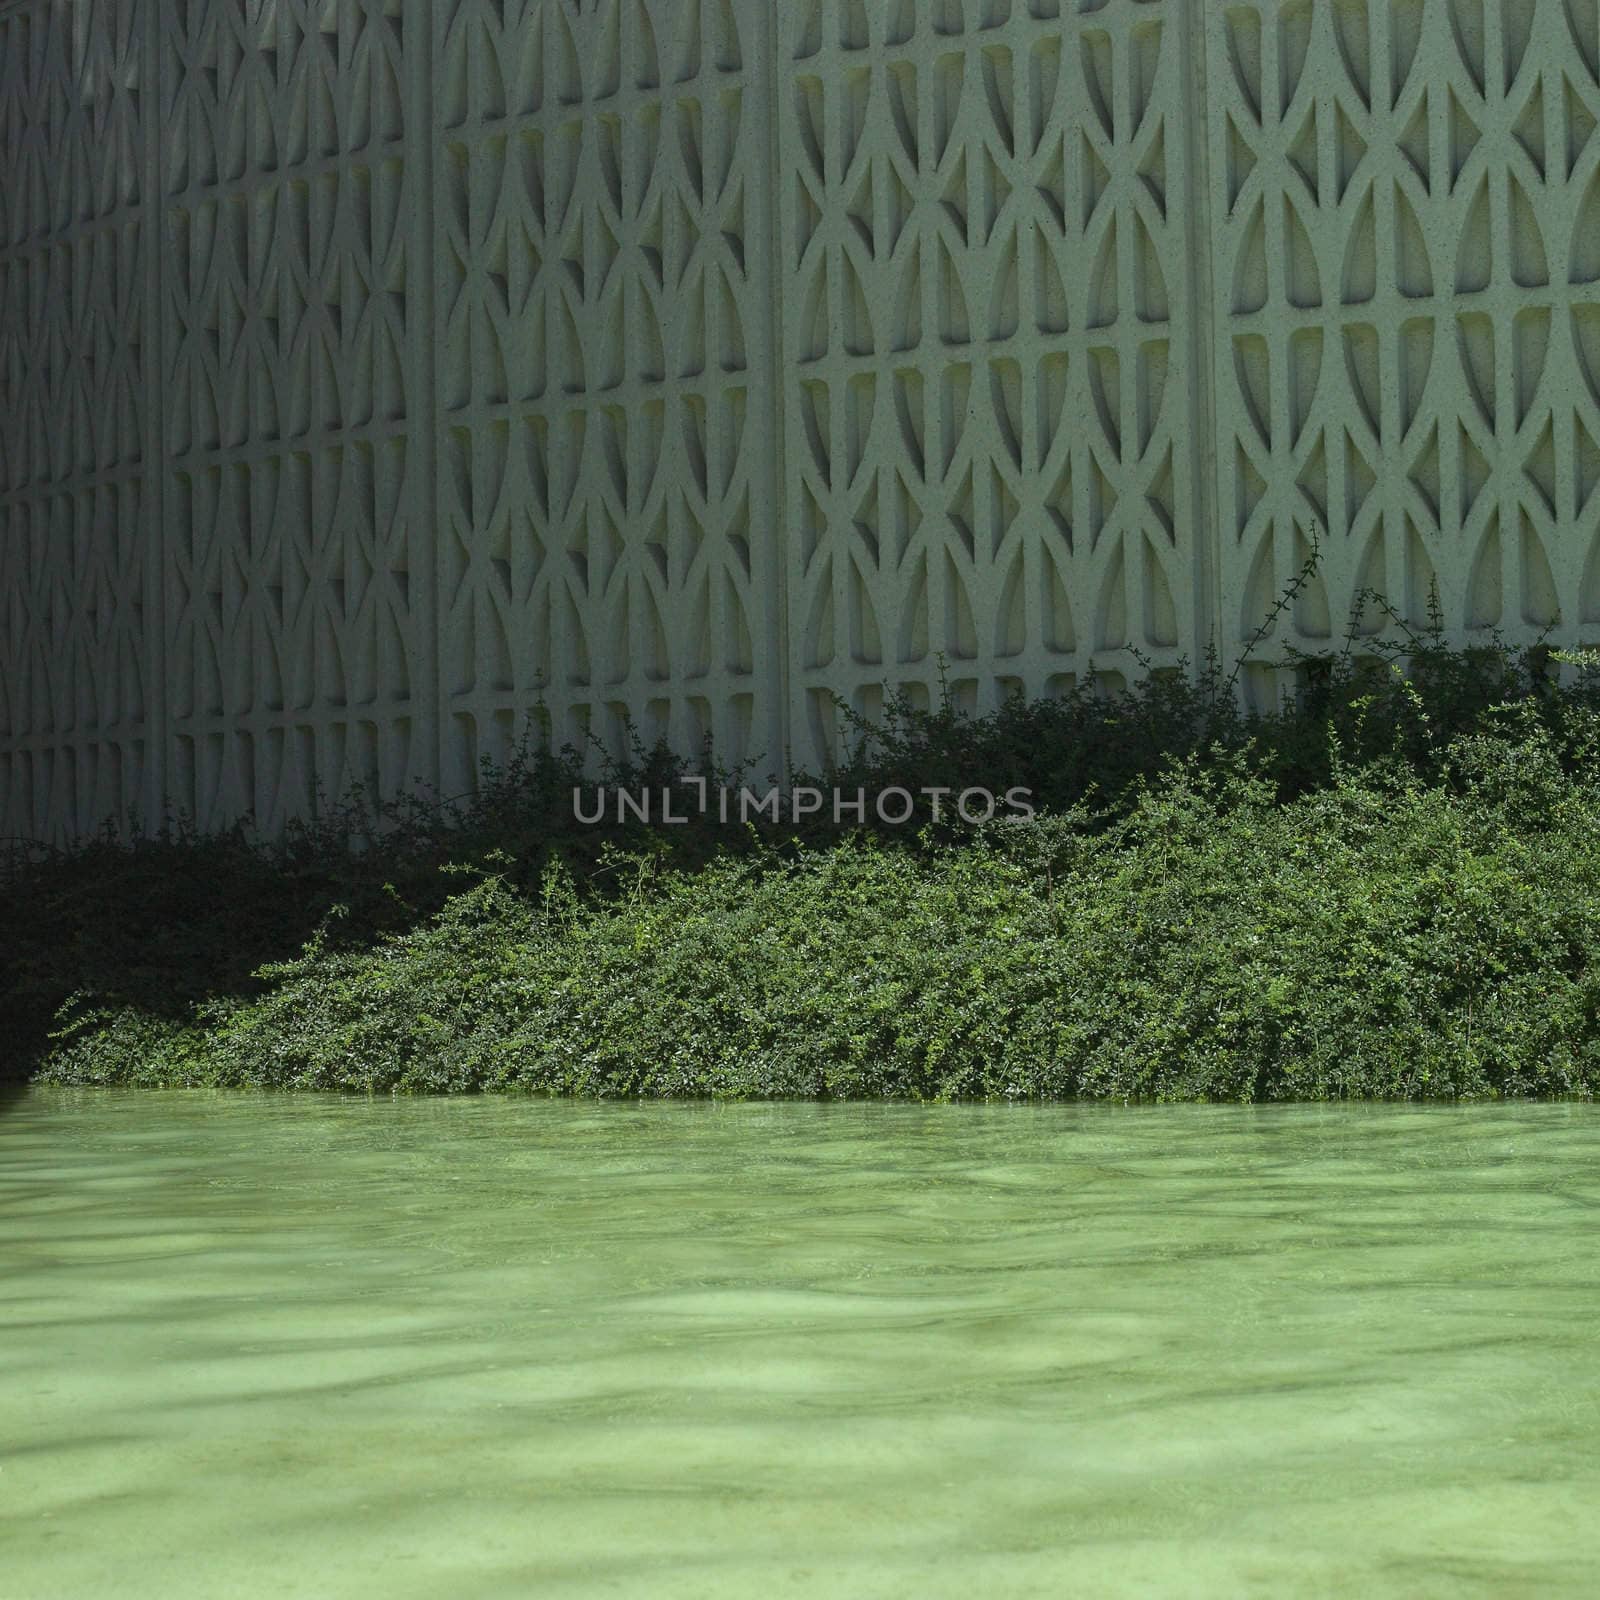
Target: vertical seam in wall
{"points": [[1207, 531], [157, 565], [425, 548], [778, 598]]}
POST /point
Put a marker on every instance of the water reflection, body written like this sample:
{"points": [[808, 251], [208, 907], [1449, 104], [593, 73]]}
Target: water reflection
{"points": [[263, 1346]]}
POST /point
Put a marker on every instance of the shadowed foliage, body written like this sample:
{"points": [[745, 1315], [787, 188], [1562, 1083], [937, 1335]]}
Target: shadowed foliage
{"points": [[1385, 886]]}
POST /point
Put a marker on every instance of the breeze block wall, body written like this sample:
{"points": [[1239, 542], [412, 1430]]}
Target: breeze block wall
{"points": [[80, 442], [375, 372]]}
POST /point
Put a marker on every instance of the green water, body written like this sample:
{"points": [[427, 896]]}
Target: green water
{"points": [[326, 1348]]}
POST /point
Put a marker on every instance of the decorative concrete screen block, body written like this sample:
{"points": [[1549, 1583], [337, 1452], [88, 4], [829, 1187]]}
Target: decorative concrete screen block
{"points": [[1404, 224], [295, 518], [76, 678], [382, 379], [987, 306], [608, 529]]}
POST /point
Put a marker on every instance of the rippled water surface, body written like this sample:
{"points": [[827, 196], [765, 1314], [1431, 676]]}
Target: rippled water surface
{"points": [[327, 1348]]}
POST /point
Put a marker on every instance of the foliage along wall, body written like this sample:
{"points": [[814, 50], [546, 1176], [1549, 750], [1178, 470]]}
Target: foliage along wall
{"points": [[373, 371]]}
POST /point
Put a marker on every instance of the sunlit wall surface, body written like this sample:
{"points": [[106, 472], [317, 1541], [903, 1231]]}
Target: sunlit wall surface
{"points": [[375, 371]]}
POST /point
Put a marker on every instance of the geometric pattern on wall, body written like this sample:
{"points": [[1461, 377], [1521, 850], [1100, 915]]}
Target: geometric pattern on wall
{"points": [[605, 382], [297, 641], [1406, 234], [986, 292], [75, 664], [373, 372]]}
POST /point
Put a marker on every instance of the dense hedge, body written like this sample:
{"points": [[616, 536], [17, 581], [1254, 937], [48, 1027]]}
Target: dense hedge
{"points": [[1379, 937], [1390, 889]]}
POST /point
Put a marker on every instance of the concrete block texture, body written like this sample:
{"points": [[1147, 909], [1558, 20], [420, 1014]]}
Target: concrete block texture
{"points": [[380, 379]]}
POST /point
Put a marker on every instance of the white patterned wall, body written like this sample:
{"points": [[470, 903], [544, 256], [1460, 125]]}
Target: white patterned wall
{"points": [[1404, 222], [78, 651], [987, 310], [297, 536], [607, 526], [374, 372]]}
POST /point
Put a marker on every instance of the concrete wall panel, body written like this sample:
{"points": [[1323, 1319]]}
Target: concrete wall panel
{"points": [[1406, 317], [78, 651], [379, 375]]}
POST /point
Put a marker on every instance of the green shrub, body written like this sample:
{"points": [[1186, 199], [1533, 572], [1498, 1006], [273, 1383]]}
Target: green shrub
{"points": [[1382, 937], [1383, 886]]}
